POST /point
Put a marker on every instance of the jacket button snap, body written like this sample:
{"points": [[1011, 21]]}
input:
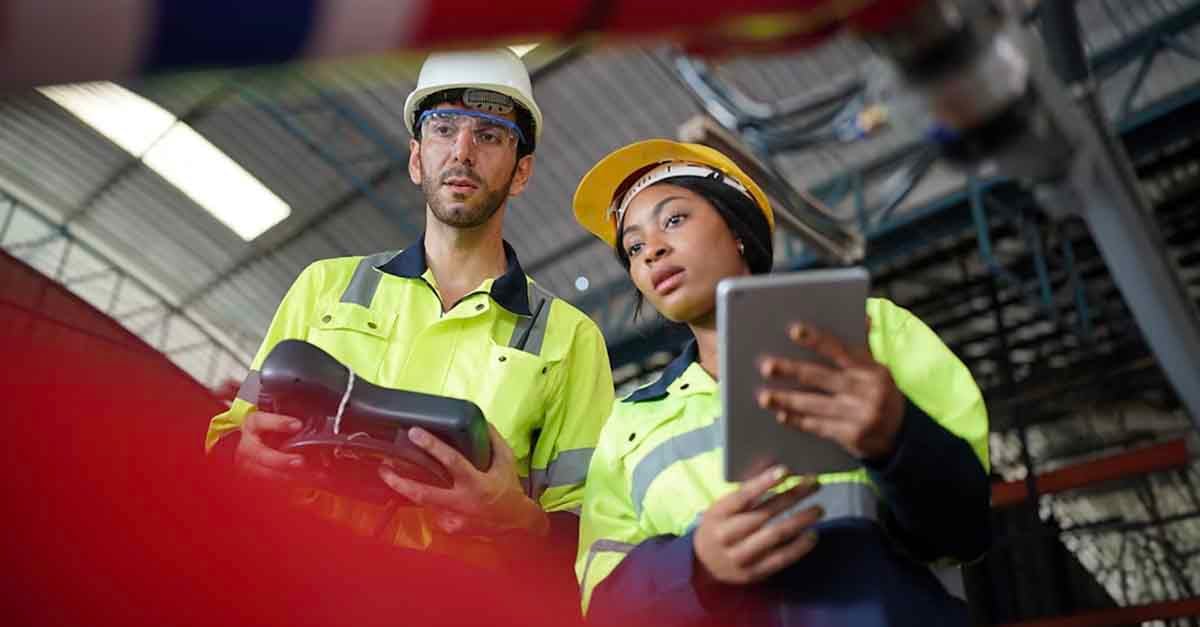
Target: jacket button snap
{"points": [[632, 436], [372, 325], [685, 386], [544, 369], [327, 319], [479, 307], [503, 358]]}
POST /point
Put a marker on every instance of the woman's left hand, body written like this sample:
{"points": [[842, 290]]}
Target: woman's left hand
{"points": [[854, 403]]}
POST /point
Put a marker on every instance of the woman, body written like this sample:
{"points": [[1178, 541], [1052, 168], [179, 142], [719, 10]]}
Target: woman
{"points": [[664, 540]]}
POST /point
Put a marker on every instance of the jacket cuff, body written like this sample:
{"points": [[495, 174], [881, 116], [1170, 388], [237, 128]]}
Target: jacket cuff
{"points": [[915, 429], [224, 451]]}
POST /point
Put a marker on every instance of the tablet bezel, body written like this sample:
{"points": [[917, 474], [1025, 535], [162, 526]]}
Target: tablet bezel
{"points": [[753, 314]]}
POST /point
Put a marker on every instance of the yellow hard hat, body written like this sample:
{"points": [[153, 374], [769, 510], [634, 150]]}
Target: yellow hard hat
{"points": [[605, 190]]}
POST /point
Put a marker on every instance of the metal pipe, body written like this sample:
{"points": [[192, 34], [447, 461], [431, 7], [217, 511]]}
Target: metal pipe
{"points": [[796, 210], [1064, 50], [1116, 617], [1159, 457], [1102, 186], [1137, 258]]}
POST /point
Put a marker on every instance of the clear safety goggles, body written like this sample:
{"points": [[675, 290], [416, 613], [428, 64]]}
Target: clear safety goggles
{"points": [[487, 131]]}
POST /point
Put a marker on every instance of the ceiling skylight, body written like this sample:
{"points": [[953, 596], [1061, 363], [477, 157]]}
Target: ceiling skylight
{"points": [[177, 153]]}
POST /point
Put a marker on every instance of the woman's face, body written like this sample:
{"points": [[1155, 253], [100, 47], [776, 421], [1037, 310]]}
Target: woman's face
{"points": [[679, 248]]}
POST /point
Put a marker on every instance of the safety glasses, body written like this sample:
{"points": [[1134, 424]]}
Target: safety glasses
{"points": [[487, 131]]}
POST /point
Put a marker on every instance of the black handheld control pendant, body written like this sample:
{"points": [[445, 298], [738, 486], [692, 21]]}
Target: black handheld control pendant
{"points": [[352, 426]]}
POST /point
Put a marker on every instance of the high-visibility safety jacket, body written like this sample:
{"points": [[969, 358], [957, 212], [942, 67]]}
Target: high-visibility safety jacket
{"points": [[536, 366], [658, 467]]}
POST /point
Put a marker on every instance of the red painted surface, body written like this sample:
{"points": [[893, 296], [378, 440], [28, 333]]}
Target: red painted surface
{"points": [[115, 517], [1173, 454]]}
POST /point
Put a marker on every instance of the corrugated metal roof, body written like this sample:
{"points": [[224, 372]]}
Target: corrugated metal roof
{"points": [[320, 135]]}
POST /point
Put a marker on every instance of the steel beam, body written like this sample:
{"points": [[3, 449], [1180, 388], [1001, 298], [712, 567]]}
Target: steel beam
{"points": [[1156, 458], [1118, 617]]}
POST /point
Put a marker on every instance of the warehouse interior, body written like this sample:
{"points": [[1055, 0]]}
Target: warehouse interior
{"points": [[1096, 499]]}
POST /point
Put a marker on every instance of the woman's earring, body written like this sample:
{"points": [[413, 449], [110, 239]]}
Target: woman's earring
{"points": [[741, 248]]}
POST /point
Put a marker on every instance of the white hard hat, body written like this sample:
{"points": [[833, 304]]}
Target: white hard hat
{"points": [[499, 70]]}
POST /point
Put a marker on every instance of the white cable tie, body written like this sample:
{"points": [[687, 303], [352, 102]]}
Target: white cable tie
{"points": [[337, 420]]}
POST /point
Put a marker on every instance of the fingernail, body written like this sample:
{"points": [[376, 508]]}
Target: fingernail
{"points": [[780, 417], [767, 367], [779, 472], [294, 424], [296, 462], [764, 398], [797, 331], [418, 435]]}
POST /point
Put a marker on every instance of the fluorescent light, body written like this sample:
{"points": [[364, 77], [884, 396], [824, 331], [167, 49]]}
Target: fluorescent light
{"points": [[177, 153], [130, 121], [522, 49], [216, 182]]}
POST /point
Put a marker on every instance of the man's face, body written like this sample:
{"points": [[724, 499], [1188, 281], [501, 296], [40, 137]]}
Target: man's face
{"points": [[465, 177]]}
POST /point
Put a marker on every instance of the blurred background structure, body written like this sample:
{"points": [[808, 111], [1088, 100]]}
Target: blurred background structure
{"points": [[182, 206]]}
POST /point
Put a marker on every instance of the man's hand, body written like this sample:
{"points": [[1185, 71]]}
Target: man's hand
{"points": [[855, 403], [256, 458], [738, 543], [478, 502]]}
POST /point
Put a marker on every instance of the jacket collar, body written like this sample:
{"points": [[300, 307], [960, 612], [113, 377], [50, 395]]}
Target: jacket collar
{"points": [[658, 390], [510, 290]]}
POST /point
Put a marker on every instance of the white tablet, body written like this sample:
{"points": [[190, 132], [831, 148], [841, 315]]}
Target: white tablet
{"points": [[753, 316]]}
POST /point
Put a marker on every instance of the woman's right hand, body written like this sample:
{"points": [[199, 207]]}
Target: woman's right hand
{"points": [[737, 541]]}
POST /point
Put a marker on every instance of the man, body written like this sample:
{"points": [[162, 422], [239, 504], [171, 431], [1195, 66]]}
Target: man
{"points": [[453, 314]]}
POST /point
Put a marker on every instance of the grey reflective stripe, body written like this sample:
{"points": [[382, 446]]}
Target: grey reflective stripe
{"points": [[678, 448], [852, 499], [365, 281], [250, 387], [951, 578], [569, 468], [531, 330], [858, 500], [841, 500], [603, 546]]}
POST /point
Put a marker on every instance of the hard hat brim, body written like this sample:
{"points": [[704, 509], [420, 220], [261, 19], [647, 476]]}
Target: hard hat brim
{"points": [[596, 191]]}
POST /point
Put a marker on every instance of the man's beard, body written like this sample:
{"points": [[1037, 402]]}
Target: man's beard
{"points": [[464, 215]]}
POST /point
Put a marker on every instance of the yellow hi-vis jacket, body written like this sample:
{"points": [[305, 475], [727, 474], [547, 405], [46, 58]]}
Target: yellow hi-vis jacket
{"points": [[658, 465], [535, 365]]}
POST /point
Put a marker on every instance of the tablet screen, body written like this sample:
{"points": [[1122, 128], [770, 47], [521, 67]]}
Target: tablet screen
{"points": [[753, 315]]}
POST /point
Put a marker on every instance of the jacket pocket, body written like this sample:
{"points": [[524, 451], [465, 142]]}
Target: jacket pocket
{"points": [[354, 335]]}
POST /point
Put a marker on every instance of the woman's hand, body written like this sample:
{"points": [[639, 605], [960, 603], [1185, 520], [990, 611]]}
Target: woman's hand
{"points": [[854, 403], [737, 541]]}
